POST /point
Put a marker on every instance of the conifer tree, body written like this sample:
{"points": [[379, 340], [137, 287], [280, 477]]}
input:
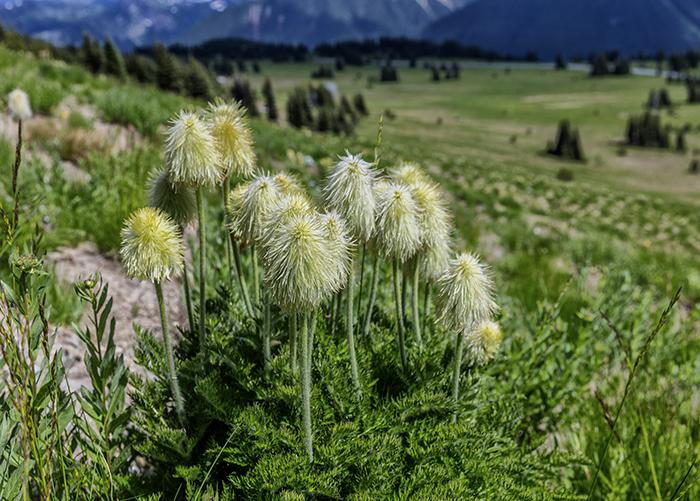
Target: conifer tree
{"points": [[114, 62], [270, 104], [168, 72], [360, 106], [197, 81], [346, 109], [242, 93], [141, 68], [91, 54]]}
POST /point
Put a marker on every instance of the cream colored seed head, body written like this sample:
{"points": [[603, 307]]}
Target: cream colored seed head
{"points": [[18, 105], [190, 151], [300, 269], [288, 184], [234, 209], [434, 259], [465, 294], [398, 231], [350, 192], [409, 173], [340, 246], [435, 220], [151, 246], [259, 202], [232, 138], [176, 200], [483, 342], [286, 207]]}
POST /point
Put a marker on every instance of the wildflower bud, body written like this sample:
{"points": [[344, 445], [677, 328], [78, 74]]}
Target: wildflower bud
{"points": [[465, 294], [259, 201], [483, 342], [177, 200], [339, 245], [18, 105], [299, 264], [151, 246], [398, 232], [190, 152], [232, 138], [350, 192]]}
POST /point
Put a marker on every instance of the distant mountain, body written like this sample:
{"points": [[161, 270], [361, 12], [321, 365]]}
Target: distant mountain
{"points": [[128, 22], [573, 27], [314, 21]]}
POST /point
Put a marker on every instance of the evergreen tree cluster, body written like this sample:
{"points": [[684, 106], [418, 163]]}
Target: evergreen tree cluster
{"points": [[245, 94], [560, 63], [646, 130], [567, 144], [444, 72], [323, 72], [606, 64], [693, 88], [388, 73], [316, 108], [270, 103], [659, 99]]}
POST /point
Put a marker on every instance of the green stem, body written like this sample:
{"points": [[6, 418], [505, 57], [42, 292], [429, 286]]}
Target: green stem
{"points": [[188, 297], [256, 274], [293, 342], [362, 283], [414, 309], [312, 335], [350, 326], [168, 342], [459, 342], [202, 267], [372, 300], [225, 193], [306, 388], [241, 278], [399, 315], [267, 351], [404, 292], [331, 316], [426, 302]]}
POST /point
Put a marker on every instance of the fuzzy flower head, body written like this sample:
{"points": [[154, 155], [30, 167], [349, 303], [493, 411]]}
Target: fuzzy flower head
{"points": [[234, 209], [287, 184], [435, 258], [285, 208], [398, 230], [232, 138], [409, 173], [339, 246], [260, 200], [190, 151], [300, 269], [434, 218], [350, 192], [18, 105], [465, 294], [176, 200], [151, 246], [483, 342]]}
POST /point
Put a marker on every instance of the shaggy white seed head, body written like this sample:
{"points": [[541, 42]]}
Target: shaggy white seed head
{"points": [[284, 209], [434, 218], [177, 200], [350, 192], [340, 246], [232, 138], [151, 246], [288, 184], [234, 209], [409, 173], [18, 105], [483, 342], [398, 230], [465, 294], [260, 200], [190, 152], [434, 259], [300, 269]]}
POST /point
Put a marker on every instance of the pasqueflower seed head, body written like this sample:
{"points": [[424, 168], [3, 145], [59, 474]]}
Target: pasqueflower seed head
{"points": [[260, 200], [398, 230], [177, 200], [18, 105], [234, 210], [288, 184], [232, 138], [190, 151], [483, 342], [409, 173], [151, 246], [339, 245]]}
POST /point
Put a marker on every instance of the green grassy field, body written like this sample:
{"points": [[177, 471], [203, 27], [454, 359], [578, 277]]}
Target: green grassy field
{"points": [[583, 271]]}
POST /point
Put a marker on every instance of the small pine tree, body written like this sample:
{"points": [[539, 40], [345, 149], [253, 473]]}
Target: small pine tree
{"points": [[114, 62], [198, 83], [324, 122], [270, 104], [456, 70], [256, 67], [347, 110], [168, 71], [559, 62], [567, 144], [599, 66], [298, 109], [359, 104], [141, 68], [92, 55], [242, 92], [435, 74]]}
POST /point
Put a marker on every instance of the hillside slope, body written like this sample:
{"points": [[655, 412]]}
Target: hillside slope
{"points": [[573, 28]]}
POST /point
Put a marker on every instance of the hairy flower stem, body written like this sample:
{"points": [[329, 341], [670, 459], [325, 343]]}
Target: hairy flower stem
{"points": [[404, 293], [350, 326], [226, 188], [312, 335], [459, 342], [202, 266], [358, 315], [241, 278], [256, 274], [188, 296], [267, 351], [399, 315], [372, 300], [426, 301], [168, 343], [293, 342], [15, 175], [306, 387], [415, 310]]}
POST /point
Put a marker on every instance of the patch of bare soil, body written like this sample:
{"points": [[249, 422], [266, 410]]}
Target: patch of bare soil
{"points": [[134, 303]]}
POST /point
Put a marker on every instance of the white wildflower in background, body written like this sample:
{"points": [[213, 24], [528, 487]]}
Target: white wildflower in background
{"points": [[350, 192], [465, 294], [18, 105], [483, 342], [151, 246], [398, 231], [232, 138], [340, 246], [190, 152], [177, 200]]}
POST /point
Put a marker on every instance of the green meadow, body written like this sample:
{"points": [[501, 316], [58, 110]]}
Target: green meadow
{"points": [[592, 395]]}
